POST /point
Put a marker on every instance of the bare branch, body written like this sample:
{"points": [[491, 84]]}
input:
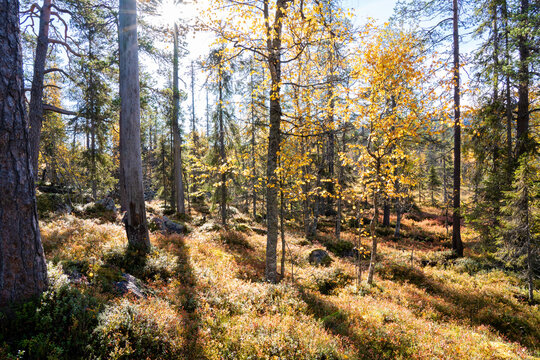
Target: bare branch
{"points": [[65, 45], [47, 107]]}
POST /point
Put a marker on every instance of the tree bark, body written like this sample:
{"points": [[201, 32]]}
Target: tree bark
{"points": [[222, 155], [457, 245], [35, 110], [177, 140], [130, 129], [522, 126], [273, 37], [23, 272]]}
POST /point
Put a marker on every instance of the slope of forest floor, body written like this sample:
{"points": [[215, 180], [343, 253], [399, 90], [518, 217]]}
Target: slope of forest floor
{"points": [[202, 296]]}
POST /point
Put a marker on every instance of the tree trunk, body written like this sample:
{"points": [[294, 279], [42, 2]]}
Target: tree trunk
{"points": [[386, 213], [373, 259], [23, 272], [273, 37], [35, 110], [397, 232], [130, 129], [282, 232], [222, 155], [177, 140], [253, 165], [522, 128], [457, 245]]}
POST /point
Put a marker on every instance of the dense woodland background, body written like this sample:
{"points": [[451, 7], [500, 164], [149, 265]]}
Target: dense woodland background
{"points": [[351, 190]]}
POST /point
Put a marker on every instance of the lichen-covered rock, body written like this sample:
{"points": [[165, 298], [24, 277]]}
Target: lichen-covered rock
{"points": [[319, 257], [130, 284]]}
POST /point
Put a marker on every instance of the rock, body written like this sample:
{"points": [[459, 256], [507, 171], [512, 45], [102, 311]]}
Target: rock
{"points": [[166, 225], [231, 211], [130, 284], [210, 226], [319, 257], [107, 203], [173, 227]]}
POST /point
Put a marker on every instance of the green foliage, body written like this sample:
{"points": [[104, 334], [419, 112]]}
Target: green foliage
{"points": [[146, 330], [58, 325], [328, 280]]}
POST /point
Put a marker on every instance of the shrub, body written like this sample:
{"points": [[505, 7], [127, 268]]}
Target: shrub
{"points": [[327, 280], [234, 238], [58, 325], [340, 247], [150, 329], [273, 337]]}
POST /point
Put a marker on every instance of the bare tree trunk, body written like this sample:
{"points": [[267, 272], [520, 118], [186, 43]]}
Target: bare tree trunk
{"points": [[340, 194], [23, 272], [373, 259], [386, 212], [253, 165], [522, 128], [273, 37], [282, 232], [222, 155], [177, 140], [130, 129], [457, 245], [35, 110]]}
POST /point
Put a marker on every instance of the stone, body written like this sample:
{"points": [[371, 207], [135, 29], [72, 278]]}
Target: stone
{"points": [[107, 203], [130, 284], [173, 227], [319, 257]]}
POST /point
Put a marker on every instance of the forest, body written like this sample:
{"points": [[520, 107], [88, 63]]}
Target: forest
{"points": [[269, 179]]}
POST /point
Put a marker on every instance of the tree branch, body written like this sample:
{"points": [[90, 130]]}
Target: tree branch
{"points": [[65, 45], [47, 107]]}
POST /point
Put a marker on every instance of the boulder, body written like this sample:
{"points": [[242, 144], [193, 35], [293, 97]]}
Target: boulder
{"points": [[168, 226], [130, 284], [210, 226], [107, 204], [319, 257]]}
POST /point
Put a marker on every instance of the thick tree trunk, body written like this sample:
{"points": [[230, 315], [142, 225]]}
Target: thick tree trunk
{"points": [[457, 245], [130, 129], [23, 272], [177, 140], [35, 110]]}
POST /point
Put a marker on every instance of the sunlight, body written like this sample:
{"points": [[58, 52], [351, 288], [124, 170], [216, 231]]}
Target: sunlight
{"points": [[169, 12]]}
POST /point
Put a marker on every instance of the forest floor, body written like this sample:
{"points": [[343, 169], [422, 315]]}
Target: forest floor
{"points": [[202, 296]]}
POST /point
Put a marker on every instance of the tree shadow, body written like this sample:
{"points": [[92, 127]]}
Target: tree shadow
{"points": [[511, 320], [366, 339], [187, 298]]}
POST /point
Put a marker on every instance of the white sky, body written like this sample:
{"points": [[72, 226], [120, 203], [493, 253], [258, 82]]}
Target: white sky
{"points": [[199, 44]]}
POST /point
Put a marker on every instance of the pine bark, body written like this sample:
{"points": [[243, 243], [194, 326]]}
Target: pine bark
{"points": [[522, 126], [35, 110], [23, 272], [177, 140], [130, 129], [457, 244]]}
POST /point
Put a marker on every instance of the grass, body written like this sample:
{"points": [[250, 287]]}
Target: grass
{"points": [[208, 299]]}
